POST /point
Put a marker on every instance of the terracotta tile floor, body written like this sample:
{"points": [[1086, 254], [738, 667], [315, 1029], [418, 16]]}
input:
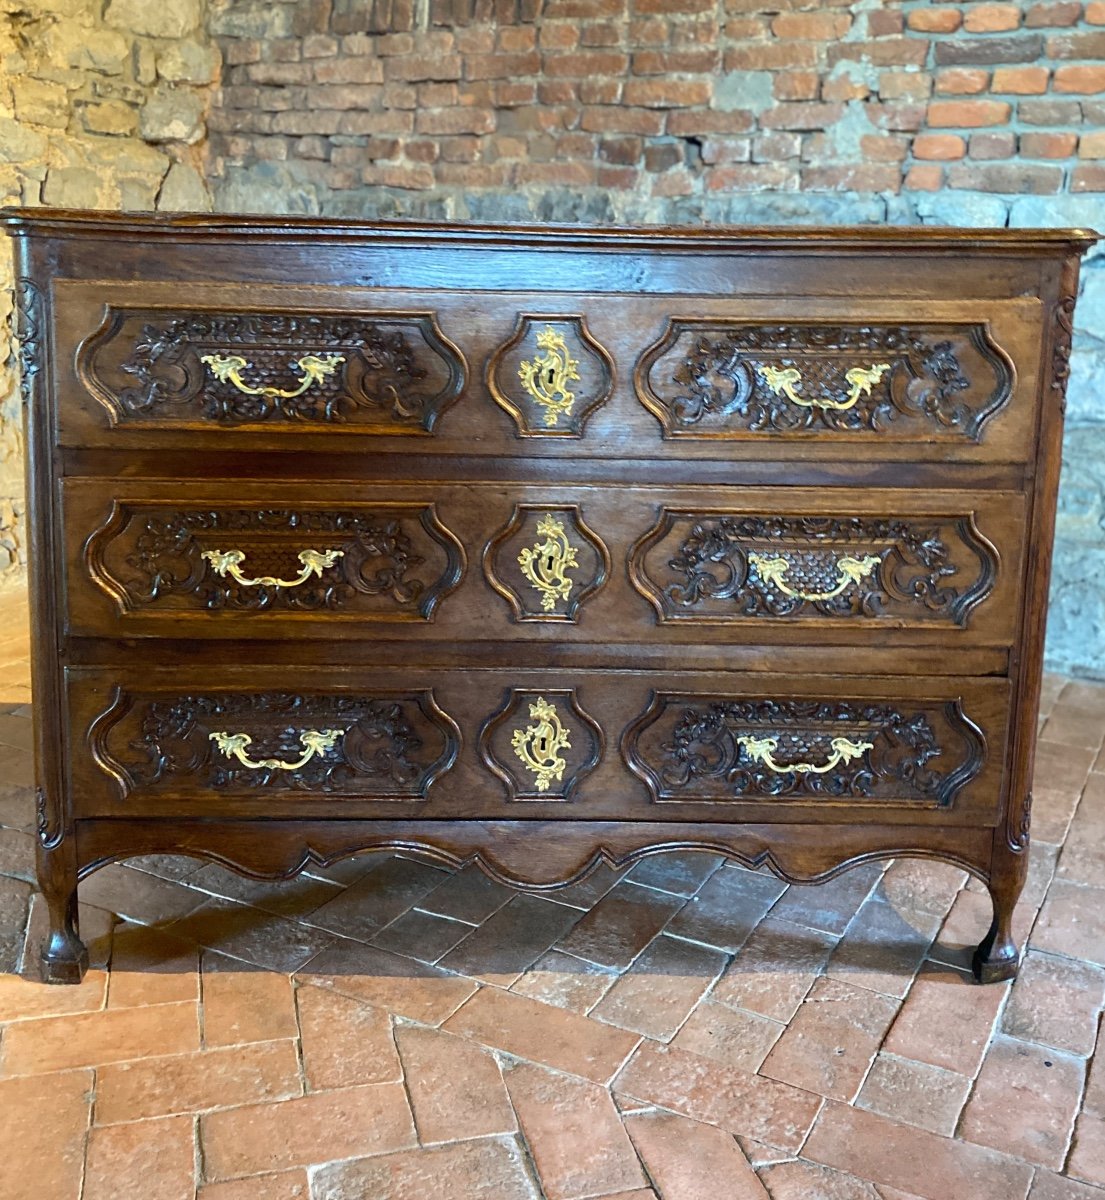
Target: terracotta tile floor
{"points": [[387, 1030]]}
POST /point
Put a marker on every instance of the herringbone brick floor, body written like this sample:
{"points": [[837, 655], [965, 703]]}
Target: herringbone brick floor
{"points": [[388, 1030]]}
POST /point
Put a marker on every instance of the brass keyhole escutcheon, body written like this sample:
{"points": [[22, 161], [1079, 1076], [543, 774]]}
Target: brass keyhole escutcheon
{"points": [[546, 378], [546, 565], [539, 744]]}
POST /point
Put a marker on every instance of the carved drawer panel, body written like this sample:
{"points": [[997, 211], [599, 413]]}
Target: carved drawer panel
{"points": [[175, 561], [814, 748], [382, 372], [849, 563], [732, 379], [228, 744]]}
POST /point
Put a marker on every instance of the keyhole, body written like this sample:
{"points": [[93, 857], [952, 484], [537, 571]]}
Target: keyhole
{"points": [[550, 562], [550, 376], [542, 745]]}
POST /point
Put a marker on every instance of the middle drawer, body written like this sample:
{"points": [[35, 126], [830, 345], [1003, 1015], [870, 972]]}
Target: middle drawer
{"points": [[486, 561]]}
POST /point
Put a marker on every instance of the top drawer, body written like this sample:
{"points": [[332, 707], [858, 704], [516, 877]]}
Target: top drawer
{"points": [[562, 375]]}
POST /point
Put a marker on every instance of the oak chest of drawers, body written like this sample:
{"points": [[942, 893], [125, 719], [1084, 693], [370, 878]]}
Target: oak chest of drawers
{"points": [[537, 547]]}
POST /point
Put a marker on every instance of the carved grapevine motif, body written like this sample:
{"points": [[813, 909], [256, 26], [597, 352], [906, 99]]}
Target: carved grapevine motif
{"points": [[379, 747], [792, 378], [376, 370], [1063, 337], [903, 563], [853, 750], [377, 559]]}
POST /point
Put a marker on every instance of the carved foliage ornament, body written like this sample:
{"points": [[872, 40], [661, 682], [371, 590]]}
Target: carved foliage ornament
{"points": [[731, 566], [29, 318], [391, 746], [693, 748], [727, 379], [394, 371], [353, 558]]}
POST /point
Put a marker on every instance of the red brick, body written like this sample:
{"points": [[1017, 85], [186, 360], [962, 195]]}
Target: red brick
{"points": [[738, 1101], [736, 1039], [543, 1034], [843, 87], [1095, 12], [813, 26], [582, 65], [349, 70], [1092, 144], [1024, 1102], [993, 145], [866, 177], [673, 7], [939, 146], [935, 20], [456, 1088], [760, 55], [667, 62], [914, 1093], [92, 1039], [832, 1039], [1077, 45], [946, 1020], [914, 1160], [771, 147], [667, 93], [44, 1118], [991, 18], [796, 85], [962, 81], [968, 114], [924, 179], [283, 1185], [1062, 12], [1048, 145], [1050, 112], [146, 1158], [489, 1167], [1020, 81], [905, 85], [1079, 79], [1088, 179], [885, 23], [574, 1132], [687, 1159], [1018, 48], [319, 1128], [642, 121], [186, 1083]]}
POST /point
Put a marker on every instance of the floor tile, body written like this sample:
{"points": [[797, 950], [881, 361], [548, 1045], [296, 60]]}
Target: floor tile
{"points": [[187, 1083], [1072, 922], [915, 1093], [1055, 1002], [44, 1119], [510, 940], [1087, 1159], [344, 1040], [491, 1167], [688, 1160], [568, 982], [469, 895], [456, 1087], [659, 991], [239, 931], [725, 910], [377, 898], [244, 1004], [832, 1040], [730, 1036], [318, 1128], [739, 1102], [1024, 1102], [620, 925], [141, 1160], [422, 936], [150, 966], [680, 872], [798, 1180], [543, 1034], [829, 906], [911, 1159], [283, 1185], [573, 1131], [883, 947]]}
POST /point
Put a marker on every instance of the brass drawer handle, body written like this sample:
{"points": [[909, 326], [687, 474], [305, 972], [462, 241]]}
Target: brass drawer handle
{"points": [[315, 741], [547, 377], [227, 368], [784, 381], [227, 562], [546, 564], [844, 750], [539, 745], [773, 567]]}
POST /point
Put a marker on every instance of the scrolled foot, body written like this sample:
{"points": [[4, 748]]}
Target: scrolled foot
{"points": [[995, 960], [64, 959]]}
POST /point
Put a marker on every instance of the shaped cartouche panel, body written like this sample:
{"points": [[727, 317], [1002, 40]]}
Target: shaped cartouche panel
{"points": [[541, 744], [551, 375], [546, 562]]}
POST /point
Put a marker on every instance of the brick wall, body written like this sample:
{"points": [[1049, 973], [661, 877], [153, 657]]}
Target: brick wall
{"points": [[660, 108]]}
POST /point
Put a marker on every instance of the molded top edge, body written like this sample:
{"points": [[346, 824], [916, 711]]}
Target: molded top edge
{"points": [[69, 222]]}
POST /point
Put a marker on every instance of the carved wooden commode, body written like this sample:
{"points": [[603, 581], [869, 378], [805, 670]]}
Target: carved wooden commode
{"points": [[538, 547]]}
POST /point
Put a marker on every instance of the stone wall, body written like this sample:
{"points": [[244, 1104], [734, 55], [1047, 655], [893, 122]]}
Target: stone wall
{"points": [[101, 106], [686, 111]]}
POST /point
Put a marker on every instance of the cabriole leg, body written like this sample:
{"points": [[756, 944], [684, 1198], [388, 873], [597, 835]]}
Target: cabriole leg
{"points": [[997, 956], [63, 955]]}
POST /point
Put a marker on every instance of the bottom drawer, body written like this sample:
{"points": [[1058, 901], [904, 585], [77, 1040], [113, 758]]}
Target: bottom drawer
{"points": [[283, 742]]}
